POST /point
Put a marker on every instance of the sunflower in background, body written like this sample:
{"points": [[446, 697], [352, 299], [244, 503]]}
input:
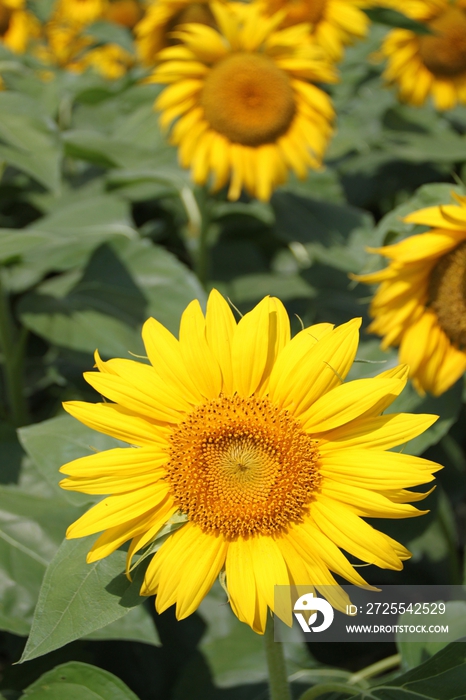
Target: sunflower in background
{"points": [[430, 64], [421, 302], [155, 31], [269, 460], [67, 43], [126, 13], [81, 12], [246, 109], [17, 25], [334, 23]]}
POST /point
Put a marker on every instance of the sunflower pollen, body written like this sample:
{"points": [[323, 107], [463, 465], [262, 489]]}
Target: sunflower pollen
{"points": [[242, 467]]}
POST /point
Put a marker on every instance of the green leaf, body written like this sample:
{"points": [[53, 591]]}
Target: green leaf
{"points": [[415, 653], [74, 600], [234, 652], [28, 139], [101, 311], [107, 307], [78, 681], [31, 529], [54, 442], [110, 33], [392, 18], [64, 239]]}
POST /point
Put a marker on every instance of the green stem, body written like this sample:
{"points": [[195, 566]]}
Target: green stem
{"points": [[197, 230], [376, 669], [323, 688], [13, 355], [278, 679]]}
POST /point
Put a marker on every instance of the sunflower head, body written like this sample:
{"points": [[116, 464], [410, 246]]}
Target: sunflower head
{"points": [[127, 13], [81, 12], [430, 64], [255, 443], [155, 31], [244, 100], [421, 302], [333, 24]]}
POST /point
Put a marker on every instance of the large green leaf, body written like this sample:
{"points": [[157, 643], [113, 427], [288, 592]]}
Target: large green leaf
{"points": [[74, 600], [28, 139], [78, 681], [414, 653], [31, 529], [76, 225], [121, 286], [440, 678], [234, 652]]}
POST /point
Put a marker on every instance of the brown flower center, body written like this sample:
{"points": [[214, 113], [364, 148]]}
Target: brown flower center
{"points": [[242, 467], [249, 99], [299, 10], [447, 294], [444, 53], [124, 12]]}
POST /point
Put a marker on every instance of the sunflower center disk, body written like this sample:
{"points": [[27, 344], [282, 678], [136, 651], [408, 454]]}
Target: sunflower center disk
{"points": [[242, 467], [444, 53], [248, 99], [305, 11], [447, 294]]}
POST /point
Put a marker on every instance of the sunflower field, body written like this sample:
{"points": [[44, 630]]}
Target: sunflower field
{"points": [[232, 343]]}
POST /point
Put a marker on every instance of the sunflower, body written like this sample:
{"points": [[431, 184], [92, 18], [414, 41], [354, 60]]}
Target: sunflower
{"points": [[254, 440], [127, 13], [154, 31], [430, 64], [421, 302], [81, 12], [334, 23], [245, 108], [63, 43], [111, 61], [17, 26]]}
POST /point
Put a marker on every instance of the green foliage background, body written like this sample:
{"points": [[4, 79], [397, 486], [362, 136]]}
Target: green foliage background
{"points": [[100, 229]]}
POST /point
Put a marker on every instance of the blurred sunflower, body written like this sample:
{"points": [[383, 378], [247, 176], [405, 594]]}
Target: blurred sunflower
{"points": [[421, 302], [17, 26], [334, 23], [63, 44], [254, 438], [430, 64], [245, 107], [155, 31], [111, 61], [81, 12], [127, 13]]}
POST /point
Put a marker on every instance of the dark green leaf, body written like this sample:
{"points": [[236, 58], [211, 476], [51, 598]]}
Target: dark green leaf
{"points": [[414, 653], [78, 681], [111, 33], [31, 529], [28, 139], [392, 18], [74, 600]]}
